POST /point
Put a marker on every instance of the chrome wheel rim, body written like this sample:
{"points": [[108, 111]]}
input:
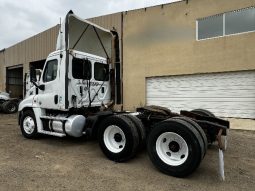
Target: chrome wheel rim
{"points": [[114, 139], [172, 149], [29, 125]]}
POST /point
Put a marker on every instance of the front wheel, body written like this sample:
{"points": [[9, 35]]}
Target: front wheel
{"points": [[28, 125]]}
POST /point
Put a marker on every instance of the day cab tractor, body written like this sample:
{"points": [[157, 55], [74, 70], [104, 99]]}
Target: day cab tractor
{"points": [[8, 105], [77, 93]]}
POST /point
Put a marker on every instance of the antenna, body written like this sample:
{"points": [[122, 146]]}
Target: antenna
{"points": [[60, 35], [60, 24]]}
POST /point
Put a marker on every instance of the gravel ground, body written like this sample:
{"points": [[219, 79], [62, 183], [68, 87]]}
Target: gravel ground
{"points": [[51, 163]]}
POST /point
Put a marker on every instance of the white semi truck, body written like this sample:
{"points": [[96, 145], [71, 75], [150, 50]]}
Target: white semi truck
{"points": [[79, 86], [7, 104]]}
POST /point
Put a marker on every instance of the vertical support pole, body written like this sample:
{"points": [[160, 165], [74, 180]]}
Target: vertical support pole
{"points": [[224, 24], [196, 29]]}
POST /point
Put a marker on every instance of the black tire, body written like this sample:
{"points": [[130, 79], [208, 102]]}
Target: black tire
{"points": [[188, 134], [28, 115], [196, 133], [210, 132], [203, 112], [10, 107], [140, 129], [165, 109], [1, 105], [131, 136], [198, 128]]}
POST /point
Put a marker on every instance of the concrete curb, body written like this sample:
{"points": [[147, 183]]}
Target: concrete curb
{"points": [[242, 124]]}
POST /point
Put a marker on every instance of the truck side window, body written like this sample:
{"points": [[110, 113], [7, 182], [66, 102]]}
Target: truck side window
{"points": [[101, 71], [81, 69], [50, 72]]}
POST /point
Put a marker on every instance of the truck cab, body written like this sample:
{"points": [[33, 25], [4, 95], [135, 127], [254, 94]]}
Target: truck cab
{"points": [[77, 74], [88, 82]]}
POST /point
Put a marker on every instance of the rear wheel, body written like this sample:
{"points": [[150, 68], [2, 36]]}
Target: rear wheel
{"points": [[10, 107], [118, 138], [174, 147], [28, 125], [210, 132], [198, 128], [140, 129]]}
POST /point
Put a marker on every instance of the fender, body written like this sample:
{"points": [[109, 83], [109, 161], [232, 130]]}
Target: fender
{"points": [[28, 102]]}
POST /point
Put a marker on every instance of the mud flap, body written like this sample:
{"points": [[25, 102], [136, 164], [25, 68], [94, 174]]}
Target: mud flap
{"points": [[222, 147], [221, 165]]}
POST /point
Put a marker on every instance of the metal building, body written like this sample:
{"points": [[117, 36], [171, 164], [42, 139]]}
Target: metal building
{"points": [[15, 60], [183, 55]]}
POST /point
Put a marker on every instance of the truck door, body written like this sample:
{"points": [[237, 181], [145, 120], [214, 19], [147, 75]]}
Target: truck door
{"points": [[50, 97]]}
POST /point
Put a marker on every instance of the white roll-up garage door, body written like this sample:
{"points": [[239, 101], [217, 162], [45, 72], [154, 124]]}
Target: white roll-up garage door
{"points": [[225, 94]]}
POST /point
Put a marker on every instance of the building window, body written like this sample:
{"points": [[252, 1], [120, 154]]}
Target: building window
{"points": [[240, 21], [234, 22], [210, 27]]}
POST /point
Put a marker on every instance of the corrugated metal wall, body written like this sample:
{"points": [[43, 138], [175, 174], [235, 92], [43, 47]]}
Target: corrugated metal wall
{"points": [[1, 70], [35, 48], [109, 22]]}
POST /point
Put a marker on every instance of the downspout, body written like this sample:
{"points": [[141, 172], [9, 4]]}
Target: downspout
{"points": [[121, 56], [117, 69], [4, 69]]}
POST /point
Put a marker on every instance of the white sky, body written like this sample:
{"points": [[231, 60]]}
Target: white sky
{"points": [[21, 19]]}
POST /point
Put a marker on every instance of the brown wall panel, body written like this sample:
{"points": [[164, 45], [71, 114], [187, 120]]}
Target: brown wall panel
{"points": [[161, 41]]}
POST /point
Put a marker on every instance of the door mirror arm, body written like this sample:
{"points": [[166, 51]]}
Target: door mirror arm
{"points": [[40, 87]]}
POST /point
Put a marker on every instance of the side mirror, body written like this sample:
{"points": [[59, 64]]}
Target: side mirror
{"points": [[41, 87], [38, 74], [33, 78], [32, 74]]}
